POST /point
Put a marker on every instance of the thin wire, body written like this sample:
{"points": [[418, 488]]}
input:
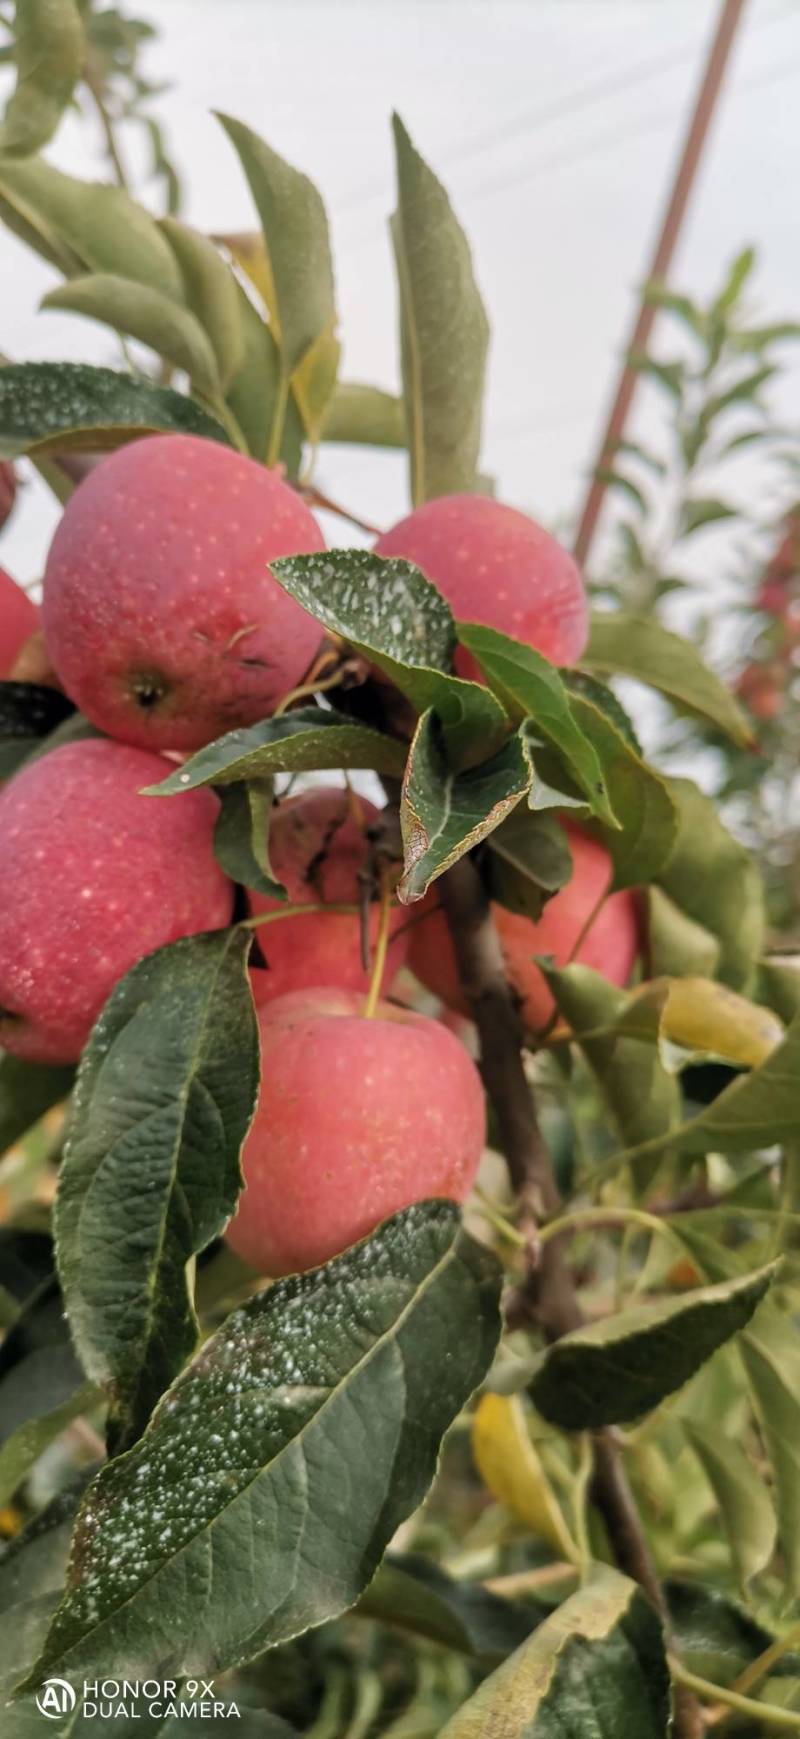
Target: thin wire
{"points": [[532, 121]]}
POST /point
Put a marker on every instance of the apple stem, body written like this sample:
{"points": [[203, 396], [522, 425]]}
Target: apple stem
{"points": [[381, 949], [297, 911], [305, 690]]}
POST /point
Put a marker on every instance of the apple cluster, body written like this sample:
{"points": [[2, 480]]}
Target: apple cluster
{"points": [[166, 628]]}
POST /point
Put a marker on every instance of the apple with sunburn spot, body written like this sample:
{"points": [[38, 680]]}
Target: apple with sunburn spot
{"points": [[319, 850], [161, 616], [356, 1119], [19, 619], [94, 876], [609, 944], [496, 566]]}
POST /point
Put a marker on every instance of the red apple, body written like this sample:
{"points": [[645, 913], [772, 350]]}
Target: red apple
{"points": [[319, 850], [610, 944], [356, 1119], [94, 876], [496, 566], [162, 618], [19, 618]]}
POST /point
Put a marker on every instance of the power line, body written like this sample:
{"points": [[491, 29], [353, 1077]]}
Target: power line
{"points": [[532, 121]]}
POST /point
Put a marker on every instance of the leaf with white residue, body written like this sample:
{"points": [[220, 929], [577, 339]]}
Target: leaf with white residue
{"points": [[277, 1468], [444, 814]]}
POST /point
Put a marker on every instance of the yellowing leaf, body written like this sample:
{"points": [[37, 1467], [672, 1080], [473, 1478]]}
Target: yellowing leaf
{"points": [[704, 1016], [508, 1464]]}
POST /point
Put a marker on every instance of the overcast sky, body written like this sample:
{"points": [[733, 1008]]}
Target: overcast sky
{"points": [[554, 124]]}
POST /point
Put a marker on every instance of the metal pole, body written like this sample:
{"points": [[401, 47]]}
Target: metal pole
{"points": [[719, 54]]}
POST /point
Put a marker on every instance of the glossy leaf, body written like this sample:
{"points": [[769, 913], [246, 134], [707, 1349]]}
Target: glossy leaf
{"points": [[147, 315], [716, 1637], [241, 835], [623, 1366], [165, 1093], [365, 416], [27, 1091], [531, 688], [745, 1506], [626, 645], [295, 228], [389, 611], [596, 1666], [444, 814], [302, 741], [443, 329], [528, 860], [211, 294], [101, 228], [48, 407], [508, 1463], [639, 797], [280, 1464], [49, 52], [28, 712], [772, 1363], [413, 1594], [716, 883]]}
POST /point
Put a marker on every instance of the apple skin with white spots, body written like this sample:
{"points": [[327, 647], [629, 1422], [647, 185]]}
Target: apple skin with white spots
{"points": [[19, 619], [610, 944], [357, 1118], [319, 849], [496, 566], [94, 876], [161, 616]]}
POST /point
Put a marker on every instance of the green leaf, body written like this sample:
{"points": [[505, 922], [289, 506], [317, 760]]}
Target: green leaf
{"points": [[444, 814], [49, 52], [414, 1595], [295, 228], [621, 1367], [676, 945], [21, 1450], [32, 1569], [241, 835], [443, 328], [147, 315], [760, 337], [314, 381], [639, 797], [747, 387], [212, 294], [305, 1431], [669, 375], [772, 1363], [528, 860], [305, 740], [741, 269], [743, 1500], [48, 407], [715, 882], [657, 295], [388, 611], [530, 687], [97, 227], [150, 1176], [596, 1667], [643, 1098], [698, 513], [255, 390], [365, 416], [604, 698], [616, 480], [714, 1636], [757, 1110], [27, 1091], [626, 645]]}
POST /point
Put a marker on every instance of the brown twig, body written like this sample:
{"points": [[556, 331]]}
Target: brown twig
{"points": [[316, 498], [547, 1295]]}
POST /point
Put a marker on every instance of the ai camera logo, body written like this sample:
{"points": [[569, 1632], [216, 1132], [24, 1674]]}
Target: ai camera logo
{"points": [[56, 1698]]}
